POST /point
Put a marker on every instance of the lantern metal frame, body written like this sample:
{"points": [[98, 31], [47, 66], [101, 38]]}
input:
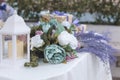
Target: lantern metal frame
{"points": [[18, 24]]}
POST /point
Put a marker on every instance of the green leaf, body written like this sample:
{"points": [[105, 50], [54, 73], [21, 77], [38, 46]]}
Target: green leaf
{"points": [[72, 28], [45, 38], [68, 48], [59, 29]]}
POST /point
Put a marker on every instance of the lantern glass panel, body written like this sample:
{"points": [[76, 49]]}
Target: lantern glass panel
{"points": [[21, 46], [7, 40]]}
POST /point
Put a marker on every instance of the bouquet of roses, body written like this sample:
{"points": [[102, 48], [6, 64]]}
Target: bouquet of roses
{"points": [[57, 39], [52, 40]]}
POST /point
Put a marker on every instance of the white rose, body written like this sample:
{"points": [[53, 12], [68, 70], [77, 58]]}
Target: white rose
{"points": [[66, 24], [73, 42], [36, 41], [66, 38], [63, 38]]}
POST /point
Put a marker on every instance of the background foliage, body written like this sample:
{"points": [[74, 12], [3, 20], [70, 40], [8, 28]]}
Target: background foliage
{"points": [[106, 11]]}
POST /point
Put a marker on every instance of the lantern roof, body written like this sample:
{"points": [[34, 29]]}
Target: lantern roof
{"points": [[15, 25]]}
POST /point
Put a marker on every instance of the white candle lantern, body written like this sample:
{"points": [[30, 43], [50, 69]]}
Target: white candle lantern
{"points": [[14, 48]]}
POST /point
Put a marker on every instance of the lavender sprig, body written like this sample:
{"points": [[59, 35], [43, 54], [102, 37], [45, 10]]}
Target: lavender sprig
{"points": [[96, 44]]}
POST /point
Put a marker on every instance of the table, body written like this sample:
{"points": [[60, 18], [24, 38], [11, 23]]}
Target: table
{"points": [[86, 67]]}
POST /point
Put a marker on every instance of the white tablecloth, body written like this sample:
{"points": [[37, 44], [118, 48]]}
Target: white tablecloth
{"points": [[86, 67]]}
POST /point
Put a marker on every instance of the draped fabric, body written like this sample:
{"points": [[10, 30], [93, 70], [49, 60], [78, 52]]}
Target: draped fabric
{"points": [[86, 67]]}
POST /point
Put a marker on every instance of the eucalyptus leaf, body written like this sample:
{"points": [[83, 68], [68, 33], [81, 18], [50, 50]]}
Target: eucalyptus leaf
{"points": [[46, 27], [59, 29]]}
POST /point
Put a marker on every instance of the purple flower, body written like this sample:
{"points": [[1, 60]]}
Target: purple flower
{"points": [[76, 22], [96, 44], [38, 32], [70, 57]]}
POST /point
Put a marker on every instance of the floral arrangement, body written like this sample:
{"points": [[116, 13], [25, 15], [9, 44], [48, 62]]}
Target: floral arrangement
{"points": [[53, 40], [58, 39]]}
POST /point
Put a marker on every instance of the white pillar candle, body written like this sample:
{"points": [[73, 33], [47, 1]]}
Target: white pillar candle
{"points": [[19, 48]]}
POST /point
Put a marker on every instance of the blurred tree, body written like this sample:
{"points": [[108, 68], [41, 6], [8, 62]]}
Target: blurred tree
{"points": [[30, 9], [107, 11]]}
